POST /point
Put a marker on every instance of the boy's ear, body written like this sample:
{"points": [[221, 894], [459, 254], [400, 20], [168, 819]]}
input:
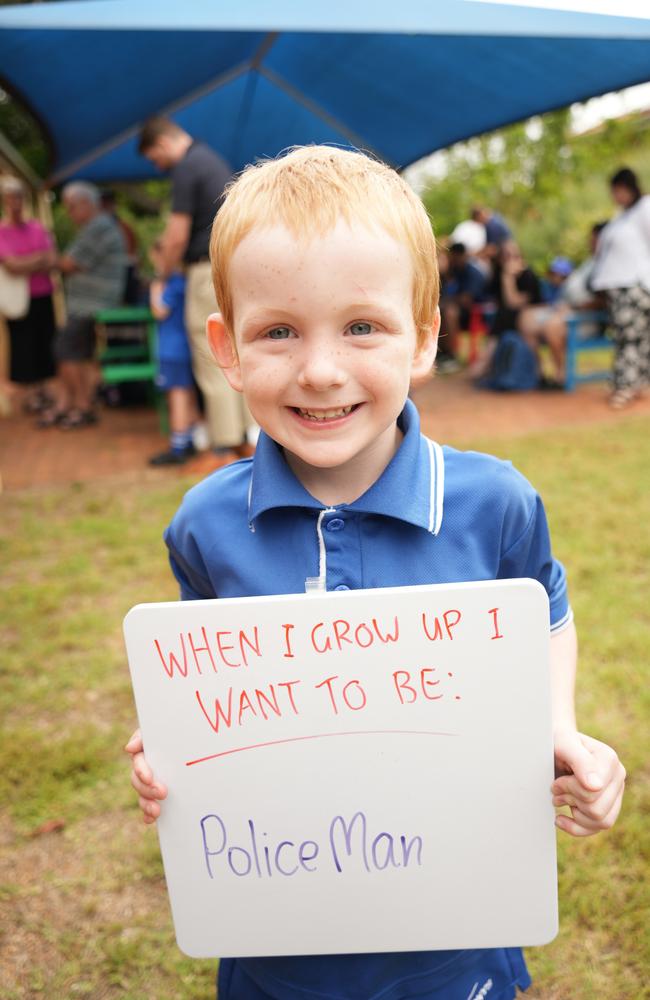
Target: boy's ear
{"points": [[425, 354], [223, 349]]}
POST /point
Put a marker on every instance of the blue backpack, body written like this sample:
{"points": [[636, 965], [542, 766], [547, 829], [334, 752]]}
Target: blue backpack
{"points": [[514, 366]]}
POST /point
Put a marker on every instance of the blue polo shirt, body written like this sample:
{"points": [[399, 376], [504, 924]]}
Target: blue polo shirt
{"points": [[435, 515]]}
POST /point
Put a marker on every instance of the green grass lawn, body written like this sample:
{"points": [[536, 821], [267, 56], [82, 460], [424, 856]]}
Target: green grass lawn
{"points": [[83, 909]]}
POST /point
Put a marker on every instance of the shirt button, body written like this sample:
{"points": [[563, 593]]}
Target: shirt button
{"points": [[336, 524], [342, 586]]}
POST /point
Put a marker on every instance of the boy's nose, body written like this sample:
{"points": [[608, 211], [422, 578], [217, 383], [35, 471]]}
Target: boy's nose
{"points": [[321, 368]]}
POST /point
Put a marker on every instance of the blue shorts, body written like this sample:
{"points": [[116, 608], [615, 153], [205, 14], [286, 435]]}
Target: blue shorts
{"points": [[174, 375], [492, 974]]}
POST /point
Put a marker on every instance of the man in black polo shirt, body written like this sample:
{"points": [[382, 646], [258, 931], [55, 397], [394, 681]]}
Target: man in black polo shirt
{"points": [[198, 176]]}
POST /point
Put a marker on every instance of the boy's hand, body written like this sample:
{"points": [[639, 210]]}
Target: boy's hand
{"points": [[149, 791], [590, 781]]}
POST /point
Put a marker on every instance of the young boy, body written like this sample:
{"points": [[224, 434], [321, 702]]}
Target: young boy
{"points": [[325, 274], [167, 302]]}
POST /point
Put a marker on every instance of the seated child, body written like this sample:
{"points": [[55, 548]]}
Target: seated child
{"points": [[167, 302], [325, 273]]}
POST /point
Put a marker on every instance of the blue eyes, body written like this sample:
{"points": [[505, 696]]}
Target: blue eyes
{"points": [[279, 333], [360, 329]]}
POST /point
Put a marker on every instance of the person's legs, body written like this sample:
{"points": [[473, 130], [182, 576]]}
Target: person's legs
{"points": [[528, 324], [539, 325], [74, 350], [226, 413], [630, 312], [481, 366], [555, 336], [183, 412], [70, 375]]}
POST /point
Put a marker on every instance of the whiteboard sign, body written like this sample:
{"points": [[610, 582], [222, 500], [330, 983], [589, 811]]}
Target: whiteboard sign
{"points": [[358, 772]]}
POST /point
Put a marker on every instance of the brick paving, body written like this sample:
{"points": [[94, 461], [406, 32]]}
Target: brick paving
{"points": [[452, 412], [120, 443]]}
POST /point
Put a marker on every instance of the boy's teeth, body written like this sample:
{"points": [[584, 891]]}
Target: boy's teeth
{"points": [[326, 414]]}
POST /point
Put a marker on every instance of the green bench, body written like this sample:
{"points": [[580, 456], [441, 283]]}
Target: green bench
{"points": [[135, 359]]}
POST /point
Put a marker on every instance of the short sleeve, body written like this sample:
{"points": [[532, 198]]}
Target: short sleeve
{"points": [[187, 563], [173, 292], [527, 553], [88, 248], [183, 190]]}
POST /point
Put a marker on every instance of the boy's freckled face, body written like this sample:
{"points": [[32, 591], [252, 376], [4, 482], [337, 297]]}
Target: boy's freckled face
{"points": [[326, 345]]}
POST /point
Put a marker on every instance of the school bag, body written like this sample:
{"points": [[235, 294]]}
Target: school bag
{"points": [[514, 366]]}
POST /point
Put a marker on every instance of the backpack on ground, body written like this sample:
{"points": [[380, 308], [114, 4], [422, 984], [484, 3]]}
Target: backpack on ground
{"points": [[514, 366]]}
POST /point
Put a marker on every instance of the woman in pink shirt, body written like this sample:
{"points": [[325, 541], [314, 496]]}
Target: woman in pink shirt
{"points": [[27, 248]]}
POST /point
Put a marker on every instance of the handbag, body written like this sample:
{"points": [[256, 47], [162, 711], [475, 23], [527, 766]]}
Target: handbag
{"points": [[14, 294]]}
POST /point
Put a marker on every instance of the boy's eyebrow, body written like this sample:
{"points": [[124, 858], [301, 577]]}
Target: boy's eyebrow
{"points": [[264, 313]]}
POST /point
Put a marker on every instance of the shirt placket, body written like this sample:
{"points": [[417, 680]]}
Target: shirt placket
{"points": [[342, 543]]}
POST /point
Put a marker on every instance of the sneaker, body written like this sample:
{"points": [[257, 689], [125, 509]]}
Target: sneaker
{"points": [[172, 457]]}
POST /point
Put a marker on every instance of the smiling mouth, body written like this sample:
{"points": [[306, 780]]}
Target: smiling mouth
{"points": [[322, 416]]}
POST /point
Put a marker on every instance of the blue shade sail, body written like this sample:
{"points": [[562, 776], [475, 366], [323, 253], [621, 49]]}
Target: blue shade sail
{"points": [[254, 77]]}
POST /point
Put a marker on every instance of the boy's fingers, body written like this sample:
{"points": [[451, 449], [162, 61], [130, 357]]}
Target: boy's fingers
{"points": [[591, 764], [148, 790], [581, 825], [150, 809], [142, 769], [570, 785], [568, 825], [135, 743], [574, 791], [596, 809]]}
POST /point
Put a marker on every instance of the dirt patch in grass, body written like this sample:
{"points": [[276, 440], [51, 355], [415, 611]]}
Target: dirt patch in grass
{"points": [[79, 897]]}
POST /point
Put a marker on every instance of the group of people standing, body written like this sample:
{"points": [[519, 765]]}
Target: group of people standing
{"points": [[58, 367]]}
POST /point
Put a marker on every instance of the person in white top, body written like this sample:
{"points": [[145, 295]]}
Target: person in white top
{"points": [[622, 272]]}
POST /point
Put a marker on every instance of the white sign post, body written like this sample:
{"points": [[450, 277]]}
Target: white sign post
{"points": [[357, 772]]}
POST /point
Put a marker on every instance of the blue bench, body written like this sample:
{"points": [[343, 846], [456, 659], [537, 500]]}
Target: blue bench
{"points": [[577, 343]]}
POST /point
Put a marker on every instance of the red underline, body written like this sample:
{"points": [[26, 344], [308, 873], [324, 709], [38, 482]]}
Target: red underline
{"points": [[319, 736]]}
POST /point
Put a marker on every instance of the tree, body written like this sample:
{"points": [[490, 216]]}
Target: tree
{"points": [[551, 185]]}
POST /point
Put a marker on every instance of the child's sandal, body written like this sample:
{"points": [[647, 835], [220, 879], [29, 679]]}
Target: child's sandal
{"points": [[51, 418], [75, 419]]}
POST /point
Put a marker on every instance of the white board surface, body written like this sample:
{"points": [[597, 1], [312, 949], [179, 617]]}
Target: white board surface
{"points": [[352, 772]]}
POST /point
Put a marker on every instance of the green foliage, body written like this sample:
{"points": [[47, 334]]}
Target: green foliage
{"points": [[24, 134], [549, 184]]}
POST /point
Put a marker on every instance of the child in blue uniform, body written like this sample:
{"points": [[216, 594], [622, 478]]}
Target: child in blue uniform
{"points": [[325, 273], [167, 302]]}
